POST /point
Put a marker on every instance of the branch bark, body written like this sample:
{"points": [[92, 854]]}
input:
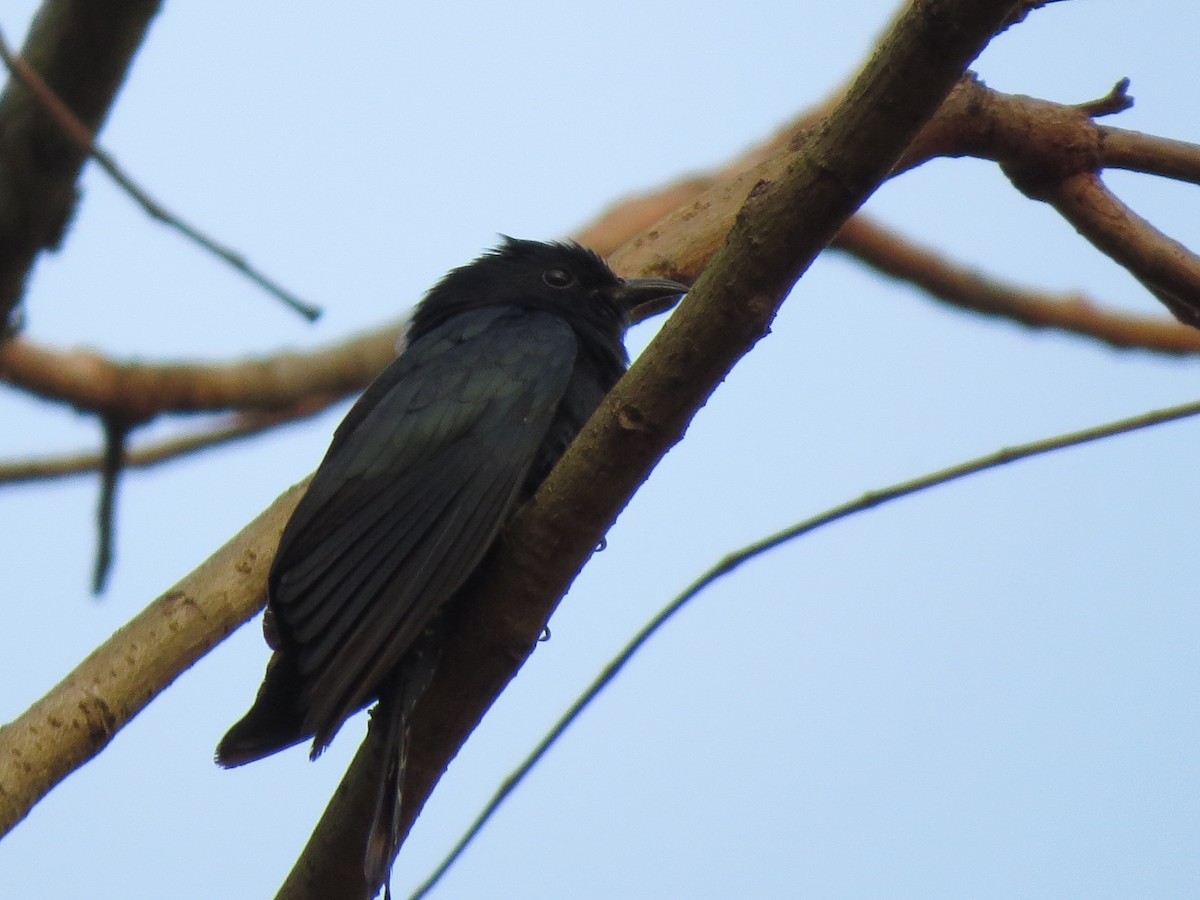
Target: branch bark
{"points": [[891, 253], [78, 718], [1167, 268], [91, 382]]}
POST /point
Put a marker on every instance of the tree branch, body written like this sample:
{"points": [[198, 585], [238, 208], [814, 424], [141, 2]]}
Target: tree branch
{"points": [[1055, 153], [78, 718], [1150, 154], [93, 383], [236, 428], [115, 433], [896, 256], [1166, 267]]}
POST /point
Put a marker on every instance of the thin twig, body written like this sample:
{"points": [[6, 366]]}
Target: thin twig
{"points": [[1115, 101], [82, 137], [737, 558], [234, 428]]}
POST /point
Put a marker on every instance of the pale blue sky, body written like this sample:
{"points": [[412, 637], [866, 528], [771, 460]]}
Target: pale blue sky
{"points": [[988, 691]]}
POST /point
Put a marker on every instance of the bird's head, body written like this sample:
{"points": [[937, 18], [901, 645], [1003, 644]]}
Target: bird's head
{"points": [[562, 278]]}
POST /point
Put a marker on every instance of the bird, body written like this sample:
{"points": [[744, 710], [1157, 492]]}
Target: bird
{"points": [[506, 358]]}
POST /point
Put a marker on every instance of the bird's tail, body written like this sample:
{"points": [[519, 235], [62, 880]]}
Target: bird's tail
{"points": [[383, 840], [393, 713]]}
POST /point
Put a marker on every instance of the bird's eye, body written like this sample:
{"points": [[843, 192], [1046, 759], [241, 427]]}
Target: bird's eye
{"points": [[558, 278]]}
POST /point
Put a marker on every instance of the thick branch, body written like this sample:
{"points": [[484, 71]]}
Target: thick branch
{"points": [[94, 383], [78, 718]]}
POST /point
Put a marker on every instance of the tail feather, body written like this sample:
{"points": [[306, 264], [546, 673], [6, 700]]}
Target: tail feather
{"points": [[383, 840], [393, 713]]}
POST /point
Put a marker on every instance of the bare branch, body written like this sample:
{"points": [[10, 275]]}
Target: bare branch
{"points": [[1054, 153], [1024, 8], [78, 718], [238, 427], [93, 383], [1138, 152], [1167, 268], [895, 255]]}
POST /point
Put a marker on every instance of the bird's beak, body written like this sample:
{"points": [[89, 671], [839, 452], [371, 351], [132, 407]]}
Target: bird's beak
{"points": [[641, 298]]}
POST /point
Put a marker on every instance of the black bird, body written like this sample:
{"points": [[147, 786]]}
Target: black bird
{"points": [[506, 359]]}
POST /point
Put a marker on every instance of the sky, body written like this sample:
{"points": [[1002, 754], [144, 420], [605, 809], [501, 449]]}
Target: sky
{"points": [[989, 690]]}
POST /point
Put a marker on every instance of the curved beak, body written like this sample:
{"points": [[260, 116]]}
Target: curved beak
{"points": [[641, 298]]}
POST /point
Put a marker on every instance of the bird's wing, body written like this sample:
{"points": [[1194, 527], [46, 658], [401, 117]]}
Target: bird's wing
{"points": [[412, 492]]}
